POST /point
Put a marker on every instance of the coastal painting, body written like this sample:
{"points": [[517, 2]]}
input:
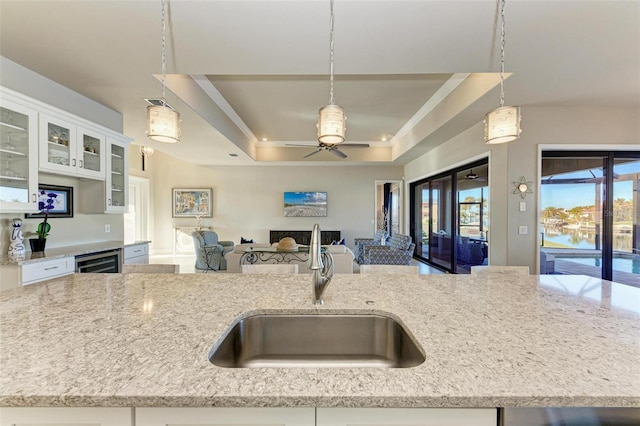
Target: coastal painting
{"points": [[192, 202], [305, 204]]}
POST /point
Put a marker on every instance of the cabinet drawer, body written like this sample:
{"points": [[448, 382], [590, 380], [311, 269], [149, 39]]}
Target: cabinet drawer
{"points": [[136, 254], [39, 271], [136, 251]]}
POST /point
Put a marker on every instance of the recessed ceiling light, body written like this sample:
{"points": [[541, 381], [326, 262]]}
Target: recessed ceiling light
{"points": [[384, 139], [264, 139]]}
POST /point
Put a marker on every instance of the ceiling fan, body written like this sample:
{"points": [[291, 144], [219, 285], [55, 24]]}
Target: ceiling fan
{"points": [[333, 148], [474, 176]]}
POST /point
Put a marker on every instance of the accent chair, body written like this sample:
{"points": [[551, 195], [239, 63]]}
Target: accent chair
{"points": [[210, 251]]}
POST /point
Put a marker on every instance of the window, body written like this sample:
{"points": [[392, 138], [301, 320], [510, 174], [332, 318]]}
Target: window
{"points": [[450, 218], [589, 212]]}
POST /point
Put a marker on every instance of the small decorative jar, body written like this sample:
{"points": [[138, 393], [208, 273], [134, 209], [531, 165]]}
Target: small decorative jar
{"points": [[16, 247]]}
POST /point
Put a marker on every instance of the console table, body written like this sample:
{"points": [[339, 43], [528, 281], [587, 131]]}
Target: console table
{"points": [[253, 255], [304, 237]]}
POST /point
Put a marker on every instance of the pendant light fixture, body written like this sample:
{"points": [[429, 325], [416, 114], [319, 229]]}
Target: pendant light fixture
{"points": [[163, 122], [502, 124], [331, 119]]}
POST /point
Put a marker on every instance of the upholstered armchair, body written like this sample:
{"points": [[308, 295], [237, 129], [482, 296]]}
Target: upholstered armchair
{"points": [[397, 251], [361, 243], [210, 251]]}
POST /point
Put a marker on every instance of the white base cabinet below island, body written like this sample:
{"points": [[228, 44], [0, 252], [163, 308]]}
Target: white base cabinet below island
{"points": [[79, 416], [316, 416], [65, 416]]}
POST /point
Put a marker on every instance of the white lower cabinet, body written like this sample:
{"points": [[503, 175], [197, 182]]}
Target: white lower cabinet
{"points": [[66, 416], [225, 416], [407, 417], [47, 269], [136, 254], [63, 416]]}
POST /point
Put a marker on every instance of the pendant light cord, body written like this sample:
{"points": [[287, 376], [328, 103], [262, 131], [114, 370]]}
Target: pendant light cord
{"points": [[164, 53], [502, 43], [331, 100]]}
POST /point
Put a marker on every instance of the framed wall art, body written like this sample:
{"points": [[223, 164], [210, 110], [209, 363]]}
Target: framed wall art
{"points": [[305, 204], [62, 201], [192, 202]]}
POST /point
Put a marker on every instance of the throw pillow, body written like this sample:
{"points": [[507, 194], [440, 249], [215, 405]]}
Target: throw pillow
{"points": [[243, 241], [339, 242]]}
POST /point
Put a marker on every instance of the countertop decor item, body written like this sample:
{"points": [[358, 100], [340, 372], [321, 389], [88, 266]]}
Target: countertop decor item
{"points": [[16, 247], [287, 244], [37, 244]]}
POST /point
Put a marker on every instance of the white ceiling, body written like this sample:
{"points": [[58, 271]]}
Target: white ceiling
{"points": [[243, 70]]}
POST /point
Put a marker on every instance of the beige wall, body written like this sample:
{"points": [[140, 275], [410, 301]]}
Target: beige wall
{"points": [[248, 201], [570, 128]]}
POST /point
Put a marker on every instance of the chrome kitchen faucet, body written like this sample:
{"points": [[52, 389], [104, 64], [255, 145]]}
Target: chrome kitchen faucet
{"points": [[321, 273]]}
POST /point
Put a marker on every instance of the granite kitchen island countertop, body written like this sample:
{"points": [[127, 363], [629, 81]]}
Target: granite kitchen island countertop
{"points": [[142, 340]]}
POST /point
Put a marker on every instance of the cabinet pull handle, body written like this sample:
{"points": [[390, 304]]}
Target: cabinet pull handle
{"points": [[81, 166], [53, 267], [35, 197], [109, 201], [137, 251], [73, 162]]}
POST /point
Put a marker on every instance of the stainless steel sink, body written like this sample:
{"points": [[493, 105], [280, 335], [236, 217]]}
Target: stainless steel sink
{"points": [[317, 340]]}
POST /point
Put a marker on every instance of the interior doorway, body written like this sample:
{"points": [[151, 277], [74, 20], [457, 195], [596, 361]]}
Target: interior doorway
{"points": [[136, 221]]}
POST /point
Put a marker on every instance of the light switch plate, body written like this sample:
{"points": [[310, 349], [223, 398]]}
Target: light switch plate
{"points": [[523, 206], [523, 229]]}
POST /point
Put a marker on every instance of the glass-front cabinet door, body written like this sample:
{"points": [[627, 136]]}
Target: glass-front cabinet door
{"points": [[117, 183], [90, 154], [57, 145], [18, 158]]}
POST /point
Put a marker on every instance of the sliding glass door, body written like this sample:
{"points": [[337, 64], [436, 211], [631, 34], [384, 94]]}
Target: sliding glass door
{"points": [[450, 218], [589, 214]]}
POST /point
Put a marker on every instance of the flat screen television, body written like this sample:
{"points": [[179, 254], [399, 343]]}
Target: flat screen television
{"points": [[305, 204]]}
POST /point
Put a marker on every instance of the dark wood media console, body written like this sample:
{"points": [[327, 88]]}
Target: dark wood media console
{"points": [[304, 237]]}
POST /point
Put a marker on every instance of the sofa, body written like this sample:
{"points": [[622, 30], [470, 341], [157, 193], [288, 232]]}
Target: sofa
{"points": [[342, 258]]}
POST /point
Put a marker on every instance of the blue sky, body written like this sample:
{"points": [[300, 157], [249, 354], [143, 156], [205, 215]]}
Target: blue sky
{"points": [[584, 194], [305, 197], [572, 195]]}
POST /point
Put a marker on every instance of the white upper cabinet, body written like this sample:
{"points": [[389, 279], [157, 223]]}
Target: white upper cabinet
{"points": [[66, 148], [18, 156], [117, 187]]}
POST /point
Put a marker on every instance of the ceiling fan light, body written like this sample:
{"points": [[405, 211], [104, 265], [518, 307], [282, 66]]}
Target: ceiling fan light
{"points": [[502, 125], [331, 125], [163, 124]]}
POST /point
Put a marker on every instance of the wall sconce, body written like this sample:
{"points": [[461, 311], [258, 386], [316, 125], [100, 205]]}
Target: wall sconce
{"points": [[146, 151], [523, 187]]}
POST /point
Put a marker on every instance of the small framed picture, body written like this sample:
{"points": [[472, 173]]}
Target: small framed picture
{"points": [[196, 202], [61, 198]]}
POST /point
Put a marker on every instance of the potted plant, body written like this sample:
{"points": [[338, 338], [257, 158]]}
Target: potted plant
{"points": [[37, 244]]}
